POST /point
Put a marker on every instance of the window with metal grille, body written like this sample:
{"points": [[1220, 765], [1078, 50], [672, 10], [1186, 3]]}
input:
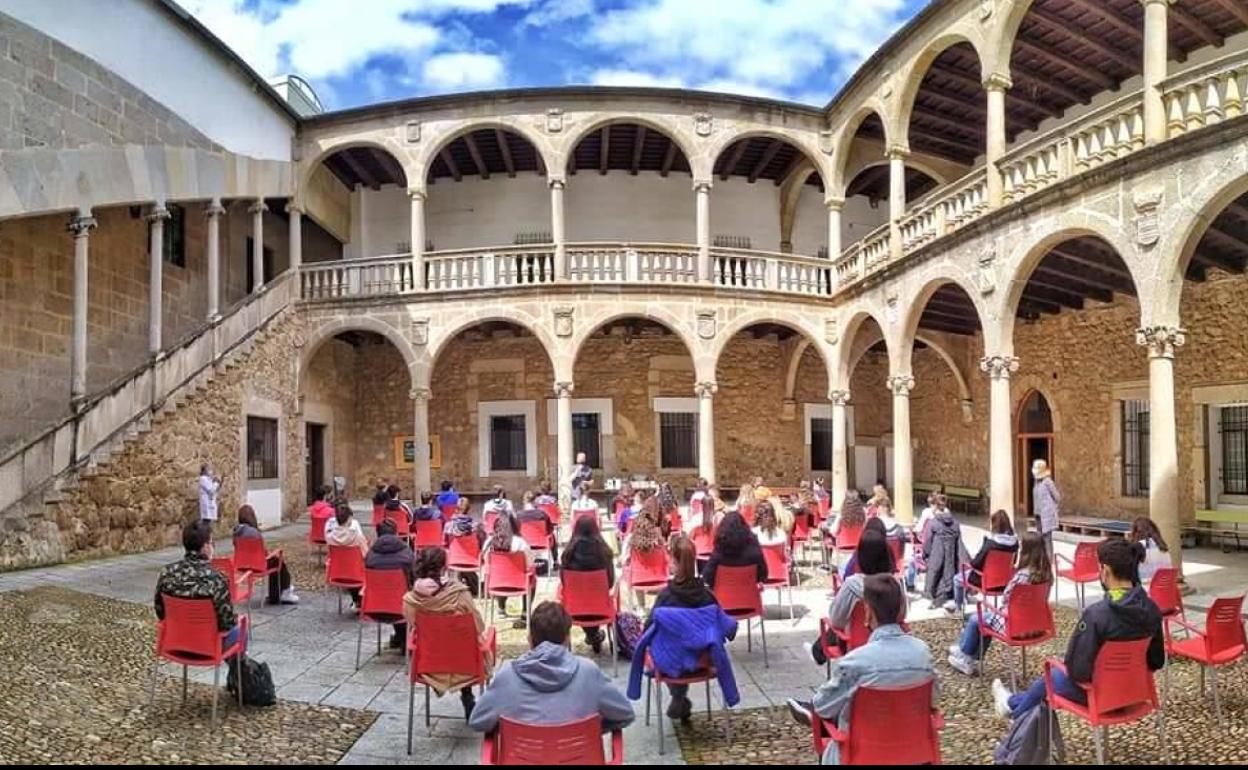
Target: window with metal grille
{"points": [[587, 438], [1233, 426], [821, 444], [261, 448], [731, 242], [678, 439], [1135, 448], [508, 443], [529, 239]]}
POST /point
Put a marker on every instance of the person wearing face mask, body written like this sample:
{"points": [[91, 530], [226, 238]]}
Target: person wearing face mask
{"points": [[1047, 501], [1126, 613]]}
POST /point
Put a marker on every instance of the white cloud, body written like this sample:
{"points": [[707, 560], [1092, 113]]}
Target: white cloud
{"points": [[553, 12], [463, 71], [620, 77]]}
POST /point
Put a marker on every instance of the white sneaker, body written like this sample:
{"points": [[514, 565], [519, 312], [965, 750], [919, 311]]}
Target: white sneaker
{"points": [[961, 662], [809, 647], [289, 596], [951, 607], [955, 649], [1001, 698]]}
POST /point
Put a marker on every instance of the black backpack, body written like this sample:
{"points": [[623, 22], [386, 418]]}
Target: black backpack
{"points": [[258, 689], [1035, 738]]}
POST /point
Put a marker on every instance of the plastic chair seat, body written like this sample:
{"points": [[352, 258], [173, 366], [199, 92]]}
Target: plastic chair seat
{"points": [[1194, 648]]}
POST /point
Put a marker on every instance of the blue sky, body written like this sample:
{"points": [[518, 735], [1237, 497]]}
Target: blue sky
{"points": [[365, 51]]}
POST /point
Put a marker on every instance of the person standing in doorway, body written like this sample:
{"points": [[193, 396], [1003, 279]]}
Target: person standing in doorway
{"points": [[209, 486], [1047, 501]]}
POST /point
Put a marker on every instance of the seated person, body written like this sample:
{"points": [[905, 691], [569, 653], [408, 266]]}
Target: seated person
{"points": [[587, 551], [1124, 614], [322, 508], [530, 512], [506, 539], [1000, 537], [1156, 552], [462, 523], [873, 558], [1033, 565], [194, 578], [548, 685], [427, 510], [545, 494], [395, 494], [766, 527], [344, 530], [735, 546], [498, 504], [921, 526], [891, 659], [874, 524], [448, 496], [583, 504], [280, 590], [391, 552], [432, 593], [644, 536]]}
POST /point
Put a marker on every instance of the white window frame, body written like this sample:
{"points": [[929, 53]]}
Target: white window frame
{"points": [[1215, 455], [673, 405], [488, 409], [603, 407]]}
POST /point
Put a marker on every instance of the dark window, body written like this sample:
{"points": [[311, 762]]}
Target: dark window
{"points": [[587, 437], [821, 444], [269, 270], [173, 247], [507, 443], [261, 448], [678, 439], [1234, 429], [1135, 448]]}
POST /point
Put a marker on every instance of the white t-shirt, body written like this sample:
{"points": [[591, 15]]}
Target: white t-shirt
{"points": [[208, 488], [778, 537]]}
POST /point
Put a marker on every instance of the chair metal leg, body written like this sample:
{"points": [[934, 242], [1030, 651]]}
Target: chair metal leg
{"points": [[648, 681], [708, 700], [615, 657], [1217, 702], [216, 687], [428, 718], [1202, 681], [359, 640], [1100, 748], [411, 707], [379, 640], [658, 713], [749, 637], [184, 677], [762, 631], [728, 724], [1161, 734], [151, 684], [238, 678]]}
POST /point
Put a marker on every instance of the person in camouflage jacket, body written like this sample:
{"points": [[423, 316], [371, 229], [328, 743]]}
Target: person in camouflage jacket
{"points": [[195, 578]]}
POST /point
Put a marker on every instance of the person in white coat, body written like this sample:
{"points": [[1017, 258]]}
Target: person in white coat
{"points": [[209, 486]]}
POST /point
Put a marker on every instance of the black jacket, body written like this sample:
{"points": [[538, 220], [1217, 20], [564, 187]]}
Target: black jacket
{"points": [[751, 554], [1135, 616], [535, 514], [589, 556], [691, 595], [391, 552], [977, 562]]}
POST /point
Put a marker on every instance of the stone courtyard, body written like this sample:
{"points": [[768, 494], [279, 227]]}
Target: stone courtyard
{"points": [[78, 639]]}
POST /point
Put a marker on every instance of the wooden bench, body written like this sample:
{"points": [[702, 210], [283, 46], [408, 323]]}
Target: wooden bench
{"points": [[1220, 523], [1097, 527], [971, 498]]}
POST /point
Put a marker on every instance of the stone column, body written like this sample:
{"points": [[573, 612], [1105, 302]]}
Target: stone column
{"points": [[418, 238], [706, 429], [421, 473], [81, 226], [1155, 54], [1000, 433], [257, 244], [295, 235], [896, 197], [213, 212], [903, 475], [1163, 442], [995, 85], [840, 448], [156, 278], [557, 232], [834, 206], [702, 191], [564, 448]]}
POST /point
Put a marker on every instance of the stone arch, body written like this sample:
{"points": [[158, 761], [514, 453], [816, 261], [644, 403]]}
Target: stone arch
{"points": [[912, 162], [935, 344], [926, 284], [698, 166], [809, 149], [795, 322], [1201, 207], [321, 333], [845, 141], [442, 334], [918, 70], [504, 123], [850, 326], [324, 151], [1022, 386], [1000, 45], [674, 323]]}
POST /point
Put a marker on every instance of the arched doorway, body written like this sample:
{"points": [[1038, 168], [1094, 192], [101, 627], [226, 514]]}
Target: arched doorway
{"points": [[1033, 428]]}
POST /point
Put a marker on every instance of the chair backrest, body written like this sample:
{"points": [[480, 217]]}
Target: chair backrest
{"points": [[998, 569], [488, 520], [777, 562], [507, 572], [189, 628], [586, 594], [345, 564], [825, 505], [574, 743], [225, 565], [897, 547], [1086, 562], [1163, 589], [383, 592], [401, 523], [552, 512], [737, 590], [1120, 677], [534, 533], [703, 542], [439, 645], [847, 538], [1224, 628], [316, 529], [1028, 613], [801, 526], [618, 508], [429, 534], [859, 632], [464, 552], [250, 554], [893, 727], [747, 513], [674, 520], [695, 507], [648, 567], [448, 510]]}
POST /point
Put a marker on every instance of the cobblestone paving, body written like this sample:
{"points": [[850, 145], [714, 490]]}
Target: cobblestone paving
{"points": [[77, 668]]}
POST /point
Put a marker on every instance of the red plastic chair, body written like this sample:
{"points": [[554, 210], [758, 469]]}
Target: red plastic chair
{"points": [[674, 520], [552, 513], [574, 743], [1086, 568], [507, 575], [592, 603], [428, 535], [1163, 589], [993, 578], [897, 547], [852, 638], [655, 680], [778, 571], [1121, 691], [318, 516], [703, 543], [747, 513], [488, 520], [1221, 643], [539, 540], [448, 510], [344, 569], [887, 727], [435, 642], [188, 636], [379, 514], [381, 603], [741, 597], [402, 525], [242, 584], [847, 541], [648, 570], [463, 554], [250, 557], [1028, 622], [800, 536]]}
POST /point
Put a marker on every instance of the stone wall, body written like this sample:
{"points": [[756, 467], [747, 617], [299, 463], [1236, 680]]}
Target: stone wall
{"points": [[52, 96]]}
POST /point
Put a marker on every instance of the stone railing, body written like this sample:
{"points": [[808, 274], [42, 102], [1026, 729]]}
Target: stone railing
{"points": [[761, 270], [864, 257], [105, 416], [485, 268], [1205, 95], [945, 211], [355, 277], [632, 263]]}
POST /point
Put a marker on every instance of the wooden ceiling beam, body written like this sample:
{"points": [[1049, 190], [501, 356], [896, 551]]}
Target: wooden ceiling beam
{"points": [[475, 153], [950, 123], [1010, 96], [669, 158], [604, 148], [1119, 22], [734, 159], [508, 162], [773, 147], [970, 319], [1213, 259], [1236, 9], [967, 147], [1055, 295], [1066, 62], [1081, 278], [1130, 62], [1185, 18], [363, 174], [1028, 305], [391, 165], [798, 159], [1087, 262], [639, 142], [445, 155]]}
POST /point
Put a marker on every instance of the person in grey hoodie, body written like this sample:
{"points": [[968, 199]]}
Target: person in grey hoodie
{"points": [[548, 685], [944, 553], [1046, 502]]}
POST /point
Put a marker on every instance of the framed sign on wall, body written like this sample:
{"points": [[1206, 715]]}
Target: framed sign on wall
{"points": [[405, 451]]}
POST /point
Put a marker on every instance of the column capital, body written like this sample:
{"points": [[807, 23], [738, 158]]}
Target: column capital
{"points": [[257, 207], [897, 152], [998, 81], [1161, 340], [706, 389], [81, 225], [294, 209], [420, 395], [702, 186], [1156, 2], [839, 397], [901, 384], [414, 194], [834, 204], [999, 367], [556, 182], [214, 208], [158, 213], [563, 389]]}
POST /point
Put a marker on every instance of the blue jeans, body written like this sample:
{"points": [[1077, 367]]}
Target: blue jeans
{"points": [[970, 641], [1028, 699], [912, 572], [959, 592]]}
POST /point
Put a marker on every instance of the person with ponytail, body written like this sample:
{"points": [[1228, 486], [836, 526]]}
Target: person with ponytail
{"points": [[1156, 552], [1124, 614]]}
